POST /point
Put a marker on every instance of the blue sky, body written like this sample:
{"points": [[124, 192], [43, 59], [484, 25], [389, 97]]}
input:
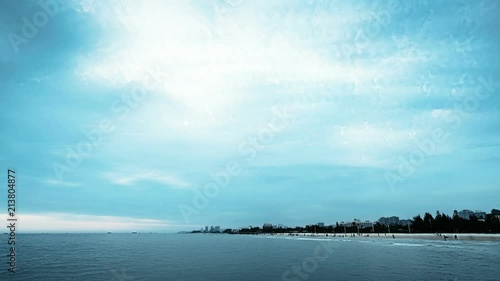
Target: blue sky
{"points": [[115, 115]]}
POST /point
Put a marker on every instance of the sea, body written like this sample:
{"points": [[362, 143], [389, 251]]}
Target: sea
{"points": [[200, 257]]}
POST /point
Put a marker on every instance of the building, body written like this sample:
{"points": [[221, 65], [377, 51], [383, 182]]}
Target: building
{"points": [[405, 222], [346, 224], [364, 224], [465, 214], [206, 228], [357, 222], [480, 214], [389, 220], [321, 224], [212, 228], [217, 229]]}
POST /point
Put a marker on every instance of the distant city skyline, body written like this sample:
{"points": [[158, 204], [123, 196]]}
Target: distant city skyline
{"points": [[368, 224]]}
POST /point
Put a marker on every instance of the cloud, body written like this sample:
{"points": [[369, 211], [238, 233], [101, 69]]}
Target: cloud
{"points": [[441, 113], [146, 176], [207, 69], [67, 222], [368, 145], [62, 183]]}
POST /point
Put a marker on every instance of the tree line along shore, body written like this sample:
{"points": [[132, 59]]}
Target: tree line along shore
{"points": [[440, 223]]}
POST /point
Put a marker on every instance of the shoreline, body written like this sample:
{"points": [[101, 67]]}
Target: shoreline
{"points": [[423, 236]]}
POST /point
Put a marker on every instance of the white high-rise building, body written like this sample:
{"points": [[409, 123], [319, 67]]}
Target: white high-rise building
{"points": [[357, 222]]}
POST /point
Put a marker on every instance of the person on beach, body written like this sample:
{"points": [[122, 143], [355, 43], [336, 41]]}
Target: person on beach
{"points": [[393, 236], [456, 238]]}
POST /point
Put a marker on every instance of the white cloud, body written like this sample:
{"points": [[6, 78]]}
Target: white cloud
{"points": [[62, 183], [441, 113], [370, 137], [66, 222], [210, 69], [218, 67], [368, 145], [146, 176]]}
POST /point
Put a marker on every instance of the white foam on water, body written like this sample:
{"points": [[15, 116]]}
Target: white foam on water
{"points": [[447, 246], [407, 244], [313, 239]]}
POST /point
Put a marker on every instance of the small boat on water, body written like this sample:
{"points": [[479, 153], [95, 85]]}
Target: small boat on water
{"points": [[109, 232], [134, 232]]}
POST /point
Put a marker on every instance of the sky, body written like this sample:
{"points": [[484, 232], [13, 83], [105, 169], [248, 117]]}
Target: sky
{"points": [[172, 115]]}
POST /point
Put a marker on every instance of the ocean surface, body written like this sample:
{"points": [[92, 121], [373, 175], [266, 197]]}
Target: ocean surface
{"points": [[198, 257]]}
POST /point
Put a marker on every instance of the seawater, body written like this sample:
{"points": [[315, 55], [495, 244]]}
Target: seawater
{"points": [[201, 257]]}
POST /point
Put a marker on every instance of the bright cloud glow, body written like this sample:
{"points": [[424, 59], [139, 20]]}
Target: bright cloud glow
{"points": [[145, 177], [64, 222]]}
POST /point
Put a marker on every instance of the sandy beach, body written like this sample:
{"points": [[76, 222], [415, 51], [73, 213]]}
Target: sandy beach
{"points": [[427, 236]]}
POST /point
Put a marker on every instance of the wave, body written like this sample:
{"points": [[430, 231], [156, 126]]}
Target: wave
{"points": [[407, 244], [446, 246]]}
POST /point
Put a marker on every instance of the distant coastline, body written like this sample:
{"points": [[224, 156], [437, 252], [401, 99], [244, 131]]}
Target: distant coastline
{"points": [[471, 225], [424, 236]]}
